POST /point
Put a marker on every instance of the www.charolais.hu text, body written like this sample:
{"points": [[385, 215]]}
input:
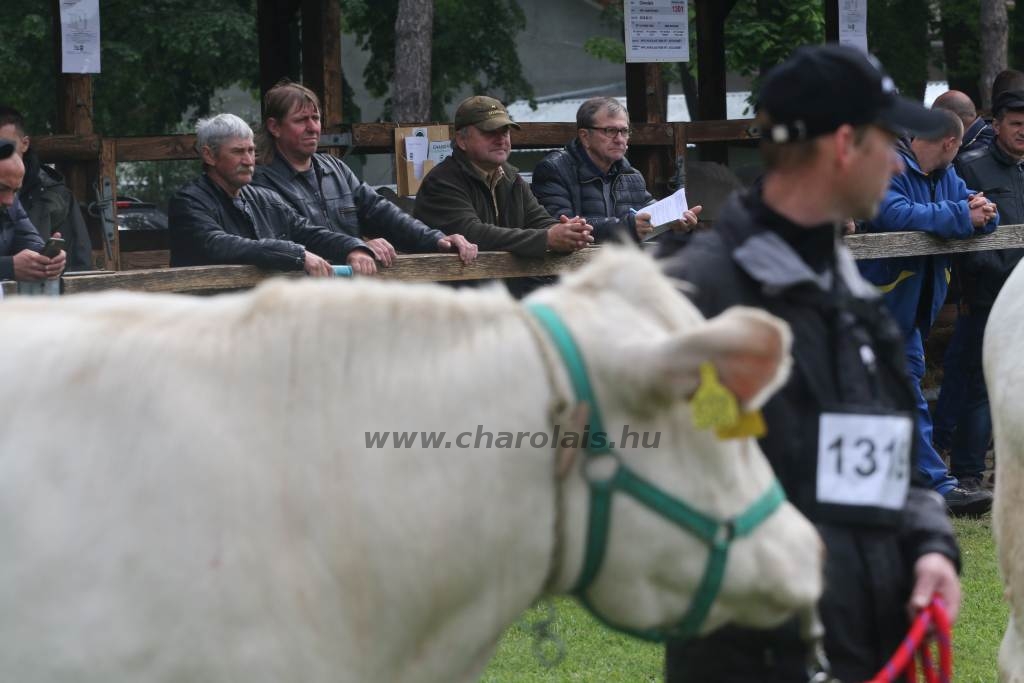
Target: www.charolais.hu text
{"points": [[482, 438]]}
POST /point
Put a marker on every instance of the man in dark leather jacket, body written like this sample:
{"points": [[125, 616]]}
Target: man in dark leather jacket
{"points": [[220, 218], [592, 178], [326, 191], [840, 433]]}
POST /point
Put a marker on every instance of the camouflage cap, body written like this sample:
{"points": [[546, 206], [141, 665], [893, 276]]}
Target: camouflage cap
{"points": [[486, 113]]}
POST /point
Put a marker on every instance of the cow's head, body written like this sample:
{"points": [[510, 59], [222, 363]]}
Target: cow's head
{"points": [[643, 345]]}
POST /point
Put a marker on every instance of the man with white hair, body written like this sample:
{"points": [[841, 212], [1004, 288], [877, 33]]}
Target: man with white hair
{"points": [[220, 218]]}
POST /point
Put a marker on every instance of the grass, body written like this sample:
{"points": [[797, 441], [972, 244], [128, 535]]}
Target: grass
{"points": [[594, 653]]}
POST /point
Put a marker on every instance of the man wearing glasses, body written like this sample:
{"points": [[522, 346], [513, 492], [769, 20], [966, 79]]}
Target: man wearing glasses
{"points": [[592, 178]]}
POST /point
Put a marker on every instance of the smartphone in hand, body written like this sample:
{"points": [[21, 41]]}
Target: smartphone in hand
{"points": [[54, 246]]}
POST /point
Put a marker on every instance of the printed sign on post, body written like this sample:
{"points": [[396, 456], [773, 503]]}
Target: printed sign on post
{"points": [[657, 30], [80, 36]]}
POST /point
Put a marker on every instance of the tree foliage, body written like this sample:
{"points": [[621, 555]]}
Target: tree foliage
{"points": [[474, 44], [162, 60]]}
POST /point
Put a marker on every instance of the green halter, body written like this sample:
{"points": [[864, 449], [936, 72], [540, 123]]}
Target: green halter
{"points": [[716, 534]]}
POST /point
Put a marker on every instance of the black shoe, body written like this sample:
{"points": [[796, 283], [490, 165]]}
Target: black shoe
{"points": [[961, 502], [970, 484]]}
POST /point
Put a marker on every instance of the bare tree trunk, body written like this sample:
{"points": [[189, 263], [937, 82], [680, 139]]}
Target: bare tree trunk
{"points": [[993, 29], [413, 41]]}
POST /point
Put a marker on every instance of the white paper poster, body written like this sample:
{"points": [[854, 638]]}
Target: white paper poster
{"points": [[853, 23], [80, 36], [657, 31]]}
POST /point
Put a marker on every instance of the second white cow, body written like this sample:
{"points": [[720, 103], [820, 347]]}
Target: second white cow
{"points": [[1004, 377], [187, 491]]}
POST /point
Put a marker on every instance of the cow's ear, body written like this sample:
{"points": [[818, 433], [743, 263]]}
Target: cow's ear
{"points": [[748, 347]]}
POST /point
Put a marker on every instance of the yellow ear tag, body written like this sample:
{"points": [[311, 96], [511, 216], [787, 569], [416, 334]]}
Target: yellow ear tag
{"points": [[713, 405], [749, 424]]}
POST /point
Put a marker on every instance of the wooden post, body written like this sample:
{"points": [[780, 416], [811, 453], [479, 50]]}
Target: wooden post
{"points": [[646, 99], [321, 57], [108, 169], [278, 51], [711, 71], [831, 21], [75, 117]]}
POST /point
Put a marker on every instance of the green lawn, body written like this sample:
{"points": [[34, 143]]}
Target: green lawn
{"points": [[593, 653]]}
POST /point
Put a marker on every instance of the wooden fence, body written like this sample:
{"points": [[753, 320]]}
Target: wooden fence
{"points": [[448, 267]]}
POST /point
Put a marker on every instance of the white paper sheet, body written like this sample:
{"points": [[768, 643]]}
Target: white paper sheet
{"points": [[853, 23], [439, 151], [657, 30], [669, 209], [416, 152], [80, 36]]}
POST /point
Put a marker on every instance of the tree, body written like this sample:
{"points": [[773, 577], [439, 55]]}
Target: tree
{"points": [[162, 61], [995, 27], [898, 34], [413, 30], [474, 44]]}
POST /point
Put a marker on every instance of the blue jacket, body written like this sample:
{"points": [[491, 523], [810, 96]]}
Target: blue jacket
{"points": [[16, 233], [915, 287]]}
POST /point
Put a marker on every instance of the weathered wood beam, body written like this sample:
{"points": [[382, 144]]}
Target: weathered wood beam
{"points": [[831, 21], [376, 138], [407, 268], [274, 23], [321, 57]]}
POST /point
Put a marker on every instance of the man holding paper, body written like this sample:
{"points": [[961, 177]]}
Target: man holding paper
{"points": [[592, 178], [326, 191]]}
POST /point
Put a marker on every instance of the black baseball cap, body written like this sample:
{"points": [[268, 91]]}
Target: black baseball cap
{"points": [[822, 87], [1008, 99], [7, 148]]}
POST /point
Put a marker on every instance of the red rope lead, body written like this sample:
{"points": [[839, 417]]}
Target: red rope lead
{"points": [[902, 661]]}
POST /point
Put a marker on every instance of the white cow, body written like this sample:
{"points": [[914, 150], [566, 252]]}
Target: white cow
{"points": [[186, 493], [1004, 376]]}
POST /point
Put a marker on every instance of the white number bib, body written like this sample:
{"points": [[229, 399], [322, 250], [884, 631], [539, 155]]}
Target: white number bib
{"points": [[864, 459]]}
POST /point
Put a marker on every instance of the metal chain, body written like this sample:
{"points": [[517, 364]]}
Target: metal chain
{"points": [[548, 646]]}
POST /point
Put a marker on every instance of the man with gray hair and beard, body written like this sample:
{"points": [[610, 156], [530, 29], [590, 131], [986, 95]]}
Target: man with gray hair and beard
{"points": [[220, 218]]}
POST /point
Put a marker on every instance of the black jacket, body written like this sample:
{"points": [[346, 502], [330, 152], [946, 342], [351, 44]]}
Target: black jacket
{"points": [[566, 182], [53, 208], [847, 351], [1001, 178], [345, 204], [206, 228], [16, 233]]}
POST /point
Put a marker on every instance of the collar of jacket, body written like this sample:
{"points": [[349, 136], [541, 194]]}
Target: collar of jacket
{"points": [[587, 170], [910, 161], [769, 260], [510, 171], [1002, 157], [282, 169], [974, 131]]}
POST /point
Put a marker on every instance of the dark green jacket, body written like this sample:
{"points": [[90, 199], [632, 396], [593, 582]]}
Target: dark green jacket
{"points": [[455, 199]]}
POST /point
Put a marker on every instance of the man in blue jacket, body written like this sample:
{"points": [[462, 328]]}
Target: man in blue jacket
{"points": [[929, 197]]}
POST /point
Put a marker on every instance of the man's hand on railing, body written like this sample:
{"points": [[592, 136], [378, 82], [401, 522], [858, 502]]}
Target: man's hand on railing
{"points": [[316, 266], [982, 210], [569, 234], [383, 251], [467, 250], [361, 262]]}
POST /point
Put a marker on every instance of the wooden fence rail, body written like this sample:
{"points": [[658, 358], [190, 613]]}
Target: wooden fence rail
{"points": [[448, 267]]}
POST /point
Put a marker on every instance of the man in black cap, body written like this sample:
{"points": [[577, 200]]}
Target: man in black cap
{"points": [[840, 433], [998, 172], [475, 192], [20, 244]]}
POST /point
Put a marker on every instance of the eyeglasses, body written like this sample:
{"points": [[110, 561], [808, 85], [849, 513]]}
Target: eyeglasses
{"points": [[612, 132]]}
